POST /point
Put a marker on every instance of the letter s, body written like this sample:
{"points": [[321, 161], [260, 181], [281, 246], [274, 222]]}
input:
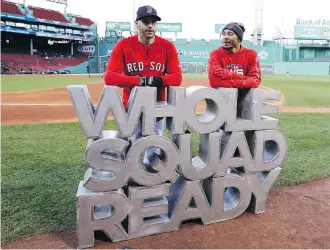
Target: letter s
{"points": [[106, 155], [152, 66]]}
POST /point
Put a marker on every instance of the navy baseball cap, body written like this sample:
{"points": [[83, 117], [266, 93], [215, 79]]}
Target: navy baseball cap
{"points": [[147, 11]]}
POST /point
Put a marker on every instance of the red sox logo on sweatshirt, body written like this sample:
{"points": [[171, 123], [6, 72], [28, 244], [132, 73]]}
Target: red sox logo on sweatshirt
{"points": [[139, 66], [236, 68]]}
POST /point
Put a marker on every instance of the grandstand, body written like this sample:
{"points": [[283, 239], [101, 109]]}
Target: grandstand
{"points": [[37, 40], [11, 8], [82, 20], [48, 14]]}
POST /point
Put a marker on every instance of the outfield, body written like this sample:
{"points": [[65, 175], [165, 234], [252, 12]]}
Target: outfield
{"points": [[43, 163]]}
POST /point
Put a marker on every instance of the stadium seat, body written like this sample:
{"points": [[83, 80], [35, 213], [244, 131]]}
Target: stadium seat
{"points": [[48, 14], [65, 62], [11, 8], [83, 21], [37, 63]]}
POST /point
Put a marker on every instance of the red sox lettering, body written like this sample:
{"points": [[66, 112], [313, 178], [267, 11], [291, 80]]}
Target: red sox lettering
{"points": [[157, 66], [141, 66]]}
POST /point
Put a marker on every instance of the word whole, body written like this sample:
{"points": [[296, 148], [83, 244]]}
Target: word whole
{"points": [[146, 181]]}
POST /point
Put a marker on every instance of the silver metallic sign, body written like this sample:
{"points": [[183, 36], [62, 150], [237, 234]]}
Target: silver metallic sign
{"points": [[129, 194]]}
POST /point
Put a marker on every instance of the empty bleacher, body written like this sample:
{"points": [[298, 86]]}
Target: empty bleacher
{"points": [[16, 66], [83, 21], [48, 14], [7, 69], [25, 62], [11, 8], [37, 63], [65, 62], [15, 55]]}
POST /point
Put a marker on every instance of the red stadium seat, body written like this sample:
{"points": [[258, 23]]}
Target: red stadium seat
{"points": [[83, 21], [48, 14], [37, 63], [11, 8], [65, 62]]}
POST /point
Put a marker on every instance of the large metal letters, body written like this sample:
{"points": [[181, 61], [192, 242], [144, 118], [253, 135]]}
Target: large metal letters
{"points": [[128, 195]]}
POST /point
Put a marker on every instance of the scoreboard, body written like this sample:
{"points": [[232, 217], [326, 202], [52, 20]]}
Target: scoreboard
{"points": [[312, 32]]}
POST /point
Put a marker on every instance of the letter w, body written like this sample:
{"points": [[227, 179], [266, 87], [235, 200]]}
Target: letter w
{"points": [[92, 121]]}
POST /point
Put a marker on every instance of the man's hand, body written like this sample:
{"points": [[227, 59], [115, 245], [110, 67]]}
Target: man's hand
{"points": [[223, 73], [151, 81]]}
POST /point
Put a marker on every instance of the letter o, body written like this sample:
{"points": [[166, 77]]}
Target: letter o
{"points": [[216, 111]]}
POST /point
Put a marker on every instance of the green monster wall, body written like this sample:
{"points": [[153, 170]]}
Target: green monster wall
{"points": [[194, 56]]}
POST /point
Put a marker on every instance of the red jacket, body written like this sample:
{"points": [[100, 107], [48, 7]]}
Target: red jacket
{"points": [[130, 59], [244, 65]]}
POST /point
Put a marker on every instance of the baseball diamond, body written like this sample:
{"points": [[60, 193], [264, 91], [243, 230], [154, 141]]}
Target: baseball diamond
{"points": [[158, 128]]}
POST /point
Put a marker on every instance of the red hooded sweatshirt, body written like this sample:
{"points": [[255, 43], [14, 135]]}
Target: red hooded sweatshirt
{"points": [[244, 64], [130, 59]]}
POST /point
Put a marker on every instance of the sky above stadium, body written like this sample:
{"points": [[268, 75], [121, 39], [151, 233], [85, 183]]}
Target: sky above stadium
{"points": [[198, 17]]}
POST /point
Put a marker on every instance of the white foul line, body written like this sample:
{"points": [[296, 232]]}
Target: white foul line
{"points": [[39, 104], [36, 104]]}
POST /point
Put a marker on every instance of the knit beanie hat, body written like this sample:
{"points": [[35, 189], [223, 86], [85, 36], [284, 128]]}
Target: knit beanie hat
{"points": [[237, 28]]}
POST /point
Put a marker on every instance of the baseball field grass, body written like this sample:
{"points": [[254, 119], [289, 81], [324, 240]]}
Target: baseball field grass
{"points": [[22, 83], [299, 91], [43, 164]]}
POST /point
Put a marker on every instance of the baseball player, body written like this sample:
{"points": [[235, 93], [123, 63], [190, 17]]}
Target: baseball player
{"points": [[232, 65], [144, 60]]}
